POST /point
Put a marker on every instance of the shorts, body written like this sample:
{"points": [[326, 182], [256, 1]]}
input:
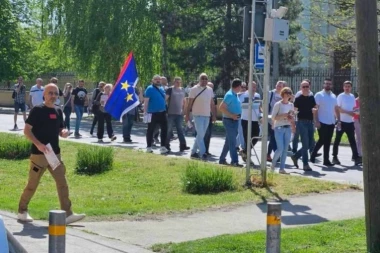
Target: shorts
{"points": [[19, 107]]}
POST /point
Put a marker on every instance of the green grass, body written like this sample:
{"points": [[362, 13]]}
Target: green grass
{"points": [[139, 184], [14, 147], [331, 237], [94, 160]]}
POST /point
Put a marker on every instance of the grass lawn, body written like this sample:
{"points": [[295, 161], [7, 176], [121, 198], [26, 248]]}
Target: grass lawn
{"points": [[331, 237], [218, 128], [140, 184]]}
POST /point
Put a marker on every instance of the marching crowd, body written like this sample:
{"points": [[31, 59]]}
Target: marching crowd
{"points": [[166, 107], [293, 118]]}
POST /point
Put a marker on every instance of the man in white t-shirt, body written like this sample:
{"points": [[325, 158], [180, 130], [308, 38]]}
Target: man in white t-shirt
{"points": [[201, 104], [274, 96], [36, 94], [328, 112], [346, 104], [255, 130]]}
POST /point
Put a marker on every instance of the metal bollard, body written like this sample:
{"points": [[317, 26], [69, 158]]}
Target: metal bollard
{"points": [[273, 228], [57, 231]]}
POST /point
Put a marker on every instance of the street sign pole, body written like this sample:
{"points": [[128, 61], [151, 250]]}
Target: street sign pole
{"points": [[250, 79], [264, 139]]}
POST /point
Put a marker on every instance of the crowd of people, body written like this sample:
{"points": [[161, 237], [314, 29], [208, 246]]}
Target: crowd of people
{"points": [[292, 118]]}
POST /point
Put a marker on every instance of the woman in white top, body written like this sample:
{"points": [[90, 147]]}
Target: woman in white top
{"points": [[283, 125]]}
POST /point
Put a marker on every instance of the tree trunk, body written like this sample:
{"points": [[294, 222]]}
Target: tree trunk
{"points": [[368, 62]]}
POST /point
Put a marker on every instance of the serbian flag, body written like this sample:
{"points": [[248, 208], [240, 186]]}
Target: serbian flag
{"points": [[123, 97]]}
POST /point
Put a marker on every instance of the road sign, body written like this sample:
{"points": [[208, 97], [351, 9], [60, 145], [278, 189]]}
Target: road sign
{"points": [[259, 56]]}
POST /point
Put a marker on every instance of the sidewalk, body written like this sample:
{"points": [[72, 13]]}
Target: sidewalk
{"points": [[139, 235], [35, 239]]}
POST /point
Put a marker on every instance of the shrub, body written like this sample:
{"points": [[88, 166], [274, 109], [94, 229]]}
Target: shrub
{"points": [[94, 160], [14, 146], [203, 179]]}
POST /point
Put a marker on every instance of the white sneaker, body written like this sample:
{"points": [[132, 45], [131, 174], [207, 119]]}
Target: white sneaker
{"points": [[163, 150], [24, 217], [149, 150], [74, 218]]}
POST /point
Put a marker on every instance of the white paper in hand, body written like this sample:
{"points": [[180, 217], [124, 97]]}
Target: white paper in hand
{"points": [[147, 118], [51, 157]]}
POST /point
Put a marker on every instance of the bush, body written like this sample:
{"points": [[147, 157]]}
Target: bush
{"points": [[14, 146], [203, 179], [94, 160]]}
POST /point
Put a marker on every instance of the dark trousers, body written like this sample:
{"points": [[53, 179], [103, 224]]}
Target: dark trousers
{"points": [[325, 133], [67, 112], [305, 129], [349, 129], [177, 121], [128, 120], [272, 146], [95, 120], [208, 135], [255, 131], [102, 116], [158, 119]]}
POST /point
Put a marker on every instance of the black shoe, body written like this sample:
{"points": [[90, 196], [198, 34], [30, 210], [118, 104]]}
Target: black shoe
{"points": [[223, 163], [15, 127], [335, 160], [194, 156], [295, 161], [184, 148], [204, 157], [328, 164], [237, 165], [208, 154], [312, 159], [358, 161], [318, 154], [126, 140], [307, 168]]}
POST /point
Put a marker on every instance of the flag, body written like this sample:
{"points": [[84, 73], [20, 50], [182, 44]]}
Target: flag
{"points": [[123, 97]]}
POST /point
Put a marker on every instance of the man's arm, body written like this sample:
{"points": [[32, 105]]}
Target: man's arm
{"points": [[224, 110], [30, 102], [28, 133], [337, 112], [213, 110], [146, 103], [188, 108]]}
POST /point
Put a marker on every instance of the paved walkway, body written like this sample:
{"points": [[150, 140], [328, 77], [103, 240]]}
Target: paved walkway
{"points": [[138, 236]]}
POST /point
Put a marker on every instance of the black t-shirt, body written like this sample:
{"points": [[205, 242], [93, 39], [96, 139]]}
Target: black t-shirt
{"points": [[46, 123], [305, 105], [80, 96]]}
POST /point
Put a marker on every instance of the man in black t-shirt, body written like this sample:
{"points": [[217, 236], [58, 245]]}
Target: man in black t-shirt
{"points": [[305, 105], [78, 99], [44, 126]]}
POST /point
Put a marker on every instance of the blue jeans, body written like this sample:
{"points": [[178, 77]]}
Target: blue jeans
{"points": [[231, 126], [177, 120], [282, 135], [306, 131], [128, 120], [79, 109], [240, 138], [201, 124]]}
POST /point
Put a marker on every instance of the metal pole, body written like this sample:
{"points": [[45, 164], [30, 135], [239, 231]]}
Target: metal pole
{"points": [[276, 51], [273, 228], [250, 79], [57, 231], [264, 140]]}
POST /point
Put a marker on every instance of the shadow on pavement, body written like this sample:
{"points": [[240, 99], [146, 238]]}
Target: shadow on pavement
{"points": [[29, 229]]}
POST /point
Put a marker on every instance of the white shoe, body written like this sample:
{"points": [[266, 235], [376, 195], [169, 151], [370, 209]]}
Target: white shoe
{"points": [[163, 150], [149, 150], [100, 140], [113, 138], [24, 217], [74, 218]]}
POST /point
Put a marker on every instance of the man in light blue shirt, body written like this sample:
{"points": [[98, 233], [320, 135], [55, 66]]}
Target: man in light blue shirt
{"points": [[231, 109], [155, 104]]}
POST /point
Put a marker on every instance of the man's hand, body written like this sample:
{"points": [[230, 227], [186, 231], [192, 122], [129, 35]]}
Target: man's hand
{"points": [[187, 118], [213, 118], [64, 133], [41, 147], [233, 116], [318, 124]]}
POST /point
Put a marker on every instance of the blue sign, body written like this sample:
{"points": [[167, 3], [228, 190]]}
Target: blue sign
{"points": [[259, 56]]}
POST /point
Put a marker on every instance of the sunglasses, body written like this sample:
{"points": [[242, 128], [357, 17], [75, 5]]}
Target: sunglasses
{"points": [[204, 78], [305, 87], [53, 93]]}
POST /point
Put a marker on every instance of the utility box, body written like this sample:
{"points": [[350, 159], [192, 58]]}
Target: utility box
{"points": [[276, 30]]}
